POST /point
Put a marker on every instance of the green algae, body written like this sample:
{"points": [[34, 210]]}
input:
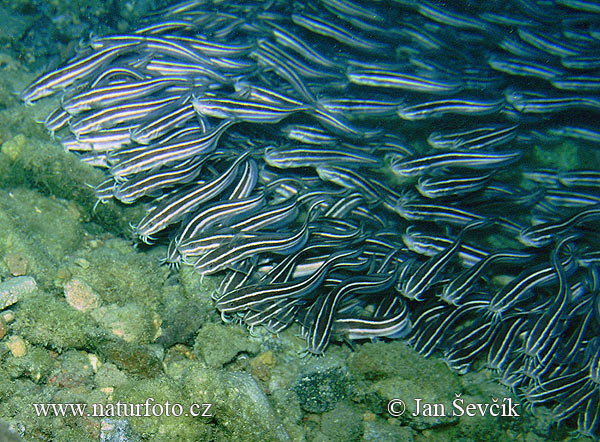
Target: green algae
{"points": [[119, 274], [36, 365], [49, 169], [162, 428], [239, 406], [129, 322], [49, 322], [218, 344], [27, 230]]}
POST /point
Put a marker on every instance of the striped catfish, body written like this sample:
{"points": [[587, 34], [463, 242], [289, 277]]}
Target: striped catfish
{"points": [[533, 103], [306, 156], [519, 288], [128, 113], [389, 79], [246, 297], [57, 120], [355, 108], [243, 110], [284, 70], [74, 70], [160, 126], [543, 234], [221, 213], [415, 286], [325, 307], [429, 245], [160, 154], [173, 67], [504, 343], [150, 184], [328, 29], [153, 44], [227, 255], [579, 178], [438, 108], [461, 285], [117, 93], [478, 138], [176, 207], [105, 140], [544, 329], [395, 323], [417, 165], [286, 38], [467, 343], [451, 186]]}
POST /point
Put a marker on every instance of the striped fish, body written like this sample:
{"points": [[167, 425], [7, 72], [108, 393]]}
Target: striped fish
{"points": [[300, 156], [325, 307], [245, 297], [118, 93], [439, 108], [415, 286], [243, 110], [398, 80], [414, 166], [174, 208], [156, 155], [74, 70]]}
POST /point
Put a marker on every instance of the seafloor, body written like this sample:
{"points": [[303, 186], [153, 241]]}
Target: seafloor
{"points": [[85, 317]]}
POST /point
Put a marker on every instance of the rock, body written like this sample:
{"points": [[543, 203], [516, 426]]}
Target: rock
{"points": [[262, 364], [119, 274], [14, 25], [15, 289], [7, 434], [163, 426], [29, 223], [108, 375], [141, 360], [80, 295], [239, 406], [218, 344], [13, 147], [36, 364], [17, 346], [378, 431], [320, 391], [17, 264], [342, 423], [395, 371], [131, 322], [181, 319], [45, 320], [116, 430]]}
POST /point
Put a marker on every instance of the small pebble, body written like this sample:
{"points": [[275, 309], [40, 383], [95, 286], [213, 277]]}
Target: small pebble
{"points": [[13, 147], [107, 390], [81, 296], [17, 346], [262, 364], [8, 316], [83, 263], [368, 416]]}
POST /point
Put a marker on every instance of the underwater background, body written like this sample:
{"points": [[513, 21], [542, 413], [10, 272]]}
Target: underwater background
{"points": [[411, 139]]}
